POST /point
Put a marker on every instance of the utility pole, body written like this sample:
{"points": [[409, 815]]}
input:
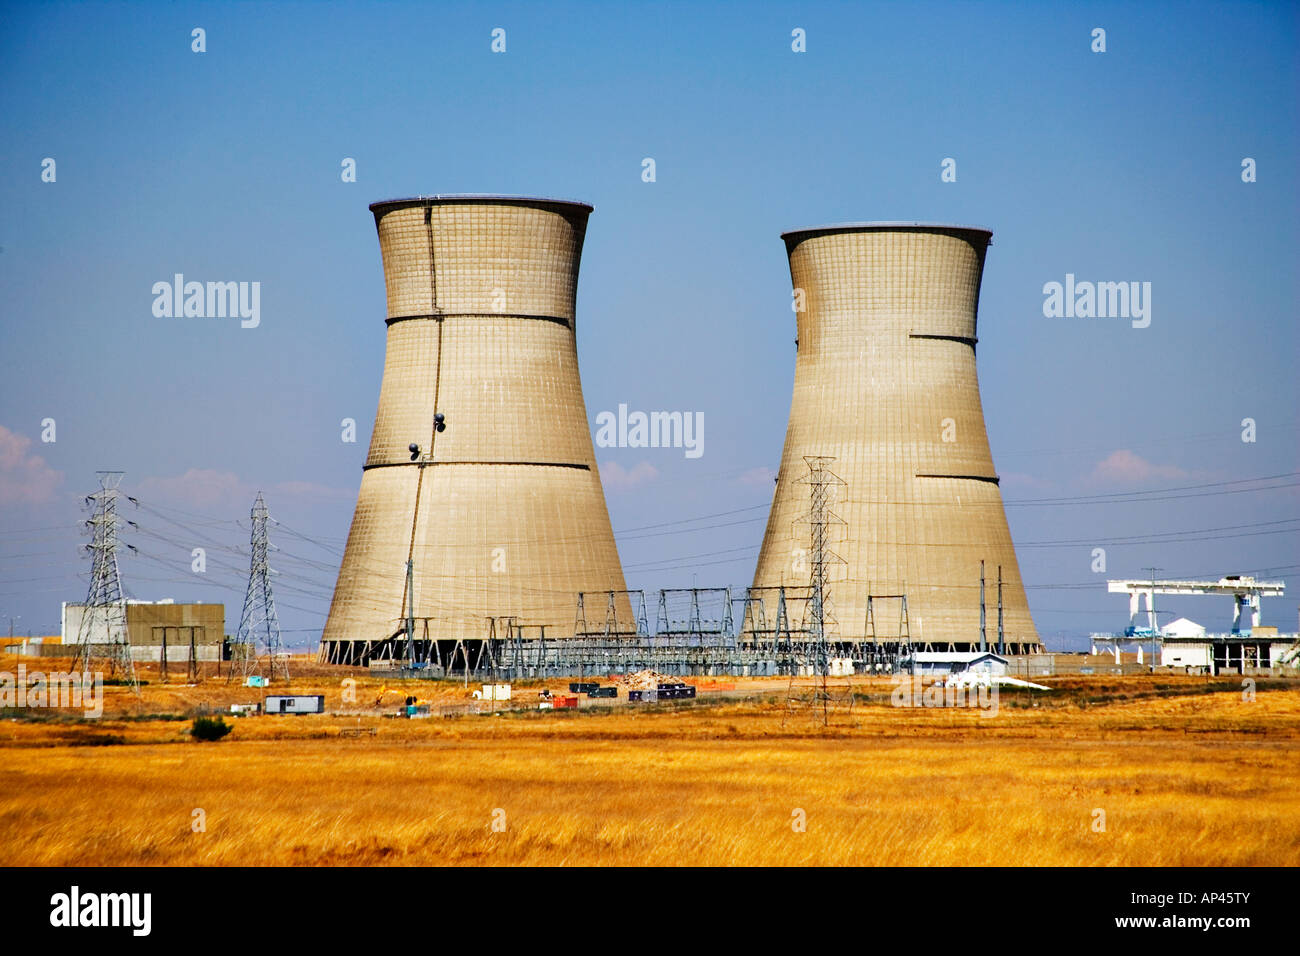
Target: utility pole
{"points": [[1002, 637], [983, 642], [192, 672], [410, 612], [1155, 621]]}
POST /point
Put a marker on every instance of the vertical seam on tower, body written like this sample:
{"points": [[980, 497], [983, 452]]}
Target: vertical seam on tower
{"points": [[433, 294], [433, 271], [408, 599]]}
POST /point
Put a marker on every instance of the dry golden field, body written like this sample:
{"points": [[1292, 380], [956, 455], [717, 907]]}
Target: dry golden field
{"points": [[1185, 771]]}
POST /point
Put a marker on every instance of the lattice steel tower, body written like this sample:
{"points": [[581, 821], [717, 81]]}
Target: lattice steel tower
{"points": [[813, 659], [105, 610], [258, 623], [821, 623]]}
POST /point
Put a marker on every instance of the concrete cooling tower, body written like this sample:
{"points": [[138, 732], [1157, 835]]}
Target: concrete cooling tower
{"points": [[500, 511], [885, 386]]}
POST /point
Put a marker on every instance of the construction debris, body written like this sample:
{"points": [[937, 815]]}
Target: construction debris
{"points": [[645, 680], [651, 686]]}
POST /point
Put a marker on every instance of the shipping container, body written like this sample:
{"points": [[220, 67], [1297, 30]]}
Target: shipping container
{"points": [[583, 687], [665, 692]]}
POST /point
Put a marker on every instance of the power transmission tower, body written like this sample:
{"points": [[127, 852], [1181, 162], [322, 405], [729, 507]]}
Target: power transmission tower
{"points": [[821, 624], [821, 481], [101, 635], [902, 649], [258, 623]]}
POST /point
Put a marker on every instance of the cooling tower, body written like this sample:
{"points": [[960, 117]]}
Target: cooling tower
{"points": [[885, 385], [503, 514]]}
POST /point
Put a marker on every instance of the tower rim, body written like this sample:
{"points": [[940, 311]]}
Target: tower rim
{"points": [[388, 205], [793, 237]]}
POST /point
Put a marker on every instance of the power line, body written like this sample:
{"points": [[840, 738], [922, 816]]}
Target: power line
{"points": [[1230, 435], [1160, 493]]}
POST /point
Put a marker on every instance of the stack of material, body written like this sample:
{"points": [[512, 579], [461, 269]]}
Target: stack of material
{"points": [[645, 680], [648, 685]]}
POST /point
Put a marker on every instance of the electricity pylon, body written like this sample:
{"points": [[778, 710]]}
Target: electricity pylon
{"points": [[821, 625], [102, 635], [258, 623]]}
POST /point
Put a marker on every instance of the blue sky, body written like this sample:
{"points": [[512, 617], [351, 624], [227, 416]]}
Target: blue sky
{"points": [[1123, 165]]}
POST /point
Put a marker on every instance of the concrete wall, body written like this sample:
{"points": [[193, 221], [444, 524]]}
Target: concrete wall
{"points": [[1050, 664], [150, 624], [1195, 659], [1186, 655], [175, 655]]}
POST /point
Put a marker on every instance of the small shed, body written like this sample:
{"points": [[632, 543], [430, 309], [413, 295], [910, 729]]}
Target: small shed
{"points": [[938, 663]]}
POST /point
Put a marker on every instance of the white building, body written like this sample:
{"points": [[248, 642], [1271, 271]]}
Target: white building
{"points": [[1186, 645], [984, 663], [1182, 628], [1198, 655]]}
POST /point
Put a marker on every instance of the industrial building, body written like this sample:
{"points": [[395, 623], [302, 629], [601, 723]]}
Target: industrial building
{"points": [[153, 629], [480, 501], [886, 425], [1242, 653], [1183, 645]]}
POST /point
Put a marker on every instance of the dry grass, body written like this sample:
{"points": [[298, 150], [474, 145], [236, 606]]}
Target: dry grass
{"points": [[1186, 775]]}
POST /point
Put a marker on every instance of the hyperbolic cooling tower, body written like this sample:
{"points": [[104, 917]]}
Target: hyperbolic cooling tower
{"points": [[885, 384], [511, 517]]}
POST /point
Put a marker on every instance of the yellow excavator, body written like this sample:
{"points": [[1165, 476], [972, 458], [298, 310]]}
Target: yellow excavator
{"points": [[409, 704]]}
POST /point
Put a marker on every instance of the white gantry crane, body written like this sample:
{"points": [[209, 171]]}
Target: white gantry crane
{"points": [[1245, 591]]}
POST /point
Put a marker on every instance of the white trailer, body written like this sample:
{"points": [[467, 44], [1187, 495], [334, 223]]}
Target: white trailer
{"points": [[294, 704]]}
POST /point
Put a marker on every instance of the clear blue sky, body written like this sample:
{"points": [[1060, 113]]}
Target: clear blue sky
{"points": [[1123, 165]]}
